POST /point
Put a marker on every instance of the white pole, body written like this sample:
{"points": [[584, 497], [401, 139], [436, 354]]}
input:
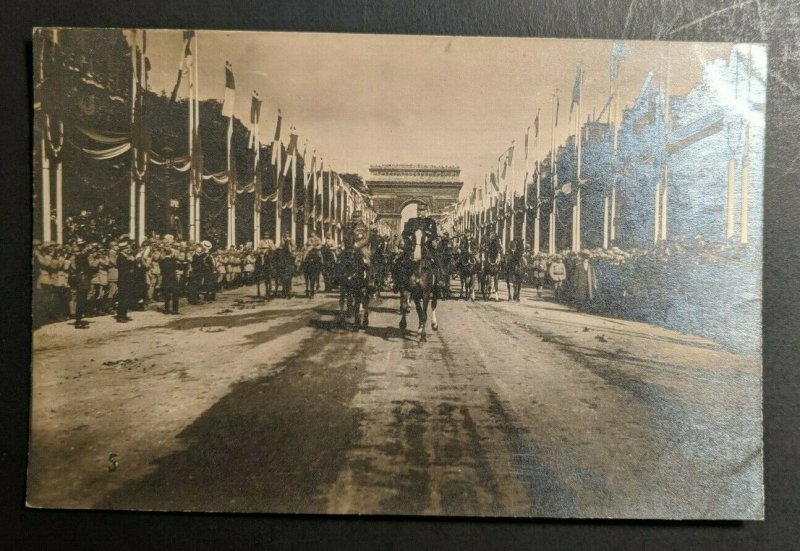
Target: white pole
{"points": [[613, 214], [664, 205], [199, 173], [605, 222], [657, 213], [294, 199], [143, 172], [538, 222], [731, 198], [46, 228], [59, 203], [193, 170], [578, 132], [132, 218], [278, 189]]}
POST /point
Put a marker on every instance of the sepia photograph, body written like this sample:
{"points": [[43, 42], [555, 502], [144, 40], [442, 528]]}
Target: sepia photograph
{"points": [[363, 274]]}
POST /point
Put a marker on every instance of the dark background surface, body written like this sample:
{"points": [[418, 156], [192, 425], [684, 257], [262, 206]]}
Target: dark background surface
{"points": [[777, 23]]}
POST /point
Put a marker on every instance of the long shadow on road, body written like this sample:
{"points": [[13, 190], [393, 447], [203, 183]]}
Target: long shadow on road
{"points": [[273, 444]]}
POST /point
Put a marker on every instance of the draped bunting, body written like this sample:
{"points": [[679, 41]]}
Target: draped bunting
{"points": [[112, 138], [104, 154], [179, 164], [272, 197], [217, 177]]}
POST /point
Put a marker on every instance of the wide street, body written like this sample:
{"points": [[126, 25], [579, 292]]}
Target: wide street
{"points": [[509, 409]]}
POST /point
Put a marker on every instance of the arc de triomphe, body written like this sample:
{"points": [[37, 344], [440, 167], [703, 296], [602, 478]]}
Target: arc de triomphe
{"points": [[394, 187]]}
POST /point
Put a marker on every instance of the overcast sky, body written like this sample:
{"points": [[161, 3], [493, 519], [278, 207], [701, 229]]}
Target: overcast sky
{"points": [[372, 99]]}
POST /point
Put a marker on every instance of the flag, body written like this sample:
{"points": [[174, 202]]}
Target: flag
{"points": [[291, 153], [493, 180], [276, 141], [527, 132], [576, 89], [186, 61], [255, 115], [230, 91], [536, 124], [618, 53]]}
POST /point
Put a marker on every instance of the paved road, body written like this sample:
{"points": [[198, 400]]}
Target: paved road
{"points": [[509, 409]]}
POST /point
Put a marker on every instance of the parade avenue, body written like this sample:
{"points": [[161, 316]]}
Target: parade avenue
{"points": [[510, 408]]}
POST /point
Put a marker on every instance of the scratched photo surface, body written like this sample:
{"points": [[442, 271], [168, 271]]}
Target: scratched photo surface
{"points": [[416, 275]]}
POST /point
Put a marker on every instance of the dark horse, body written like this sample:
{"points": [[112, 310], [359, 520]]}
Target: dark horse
{"points": [[418, 284], [312, 267], [284, 267], [468, 267], [352, 277], [514, 268], [265, 265], [444, 263], [328, 268], [491, 259]]}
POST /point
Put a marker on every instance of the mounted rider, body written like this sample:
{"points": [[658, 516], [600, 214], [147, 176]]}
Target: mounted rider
{"points": [[356, 236], [427, 225]]}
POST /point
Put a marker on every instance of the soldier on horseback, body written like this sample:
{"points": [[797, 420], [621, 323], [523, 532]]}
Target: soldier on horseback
{"points": [[412, 252]]}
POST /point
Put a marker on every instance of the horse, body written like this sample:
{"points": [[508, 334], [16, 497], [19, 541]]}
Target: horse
{"points": [[418, 284], [467, 270], [491, 259], [514, 267], [328, 268], [444, 264], [284, 268], [311, 267], [352, 277], [380, 265], [263, 272]]}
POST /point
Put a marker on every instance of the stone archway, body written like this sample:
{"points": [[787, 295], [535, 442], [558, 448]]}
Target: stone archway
{"points": [[396, 190]]}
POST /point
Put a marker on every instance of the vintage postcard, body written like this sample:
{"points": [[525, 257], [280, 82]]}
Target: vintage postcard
{"points": [[416, 275]]}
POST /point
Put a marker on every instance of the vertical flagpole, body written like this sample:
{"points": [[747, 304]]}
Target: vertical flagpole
{"points": [[605, 222], [143, 80], [322, 200], [551, 237], [743, 223], [257, 195], [664, 199], [657, 212], [538, 222], [579, 144], [336, 215], [46, 228], [613, 229], [132, 218], [231, 185], [192, 156], [199, 172], [731, 197], [525, 194], [293, 223], [60, 201], [278, 188]]}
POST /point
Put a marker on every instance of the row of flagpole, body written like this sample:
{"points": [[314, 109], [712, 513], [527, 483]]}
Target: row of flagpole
{"points": [[492, 216], [328, 190]]}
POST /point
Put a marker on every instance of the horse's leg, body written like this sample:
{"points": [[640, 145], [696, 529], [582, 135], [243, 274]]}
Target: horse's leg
{"points": [[495, 285], [342, 299], [509, 284], [403, 309], [365, 315], [422, 305], [434, 323]]}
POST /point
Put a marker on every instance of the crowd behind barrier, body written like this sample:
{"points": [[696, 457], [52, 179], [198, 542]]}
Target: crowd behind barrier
{"points": [[690, 285], [82, 279]]}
